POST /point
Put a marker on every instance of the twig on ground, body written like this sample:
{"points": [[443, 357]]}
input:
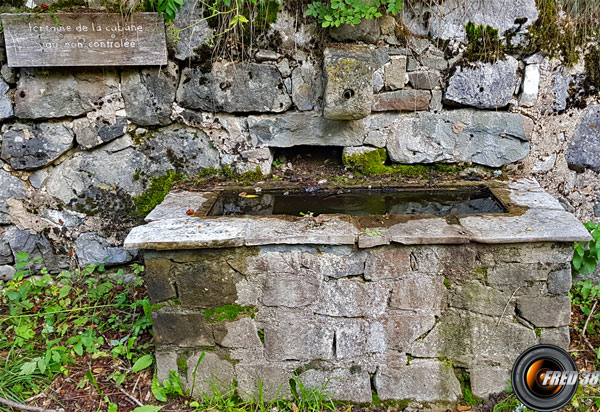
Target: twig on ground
{"points": [[23, 407], [133, 398], [585, 338]]}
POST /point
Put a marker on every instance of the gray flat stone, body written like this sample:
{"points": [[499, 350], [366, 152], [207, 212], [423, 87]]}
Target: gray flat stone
{"points": [[342, 384], [27, 147], [428, 232], [6, 109], [528, 192], [93, 249], [351, 298], [274, 377], [292, 129], [545, 311], [423, 380], [584, 149], [487, 380], [58, 93], [10, 186], [177, 203], [486, 138], [211, 372], [333, 230], [189, 233], [485, 85], [535, 225]]}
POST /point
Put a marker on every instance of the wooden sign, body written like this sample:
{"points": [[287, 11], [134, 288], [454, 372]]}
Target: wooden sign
{"points": [[84, 39]]}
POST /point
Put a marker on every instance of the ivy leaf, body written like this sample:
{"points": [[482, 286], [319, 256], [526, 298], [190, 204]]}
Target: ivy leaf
{"points": [[142, 363]]}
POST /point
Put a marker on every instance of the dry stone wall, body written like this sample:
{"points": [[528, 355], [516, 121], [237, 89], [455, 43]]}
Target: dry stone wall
{"points": [[79, 144], [364, 319]]}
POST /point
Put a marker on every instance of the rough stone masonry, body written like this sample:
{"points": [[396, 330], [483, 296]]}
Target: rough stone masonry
{"points": [[404, 313]]}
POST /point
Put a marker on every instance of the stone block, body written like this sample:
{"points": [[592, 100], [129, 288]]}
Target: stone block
{"points": [[240, 333], [181, 328], [207, 284], [388, 263], [10, 187], [166, 361], [418, 293], [559, 281], [234, 88], [546, 311], [468, 338], [334, 261], [348, 83], [298, 339], [27, 147], [273, 376], [402, 101], [149, 94], [485, 86], [584, 149], [556, 336], [93, 249], [426, 80], [423, 380], [351, 298], [341, 384], [459, 135], [487, 380], [159, 283], [211, 371], [402, 328], [531, 85], [395, 73], [290, 290], [475, 297], [355, 338], [307, 86], [44, 94], [6, 107], [293, 129]]}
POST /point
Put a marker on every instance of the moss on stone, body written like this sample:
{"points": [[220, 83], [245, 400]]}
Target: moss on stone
{"points": [[228, 312], [483, 44], [465, 384], [372, 163], [592, 70], [156, 192]]}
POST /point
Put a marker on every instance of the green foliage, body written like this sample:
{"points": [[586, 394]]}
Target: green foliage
{"points": [[592, 70], [465, 384], [170, 387], [373, 163], [167, 7], [156, 192], [334, 13], [49, 323], [510, 404], [587, 254], [313, 399], [584, 295], [483, 43], [228, 312]]}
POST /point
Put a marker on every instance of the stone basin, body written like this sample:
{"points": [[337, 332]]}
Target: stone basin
{"points": [[404, 306]]}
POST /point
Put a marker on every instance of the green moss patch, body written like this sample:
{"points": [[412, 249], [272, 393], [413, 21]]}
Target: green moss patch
{"points": [[156, 192], [465, 384], [483, 44], [228, 312], [372, 163]]}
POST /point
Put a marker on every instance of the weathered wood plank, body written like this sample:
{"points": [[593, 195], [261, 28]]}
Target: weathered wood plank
{"points": [[84, 39]]}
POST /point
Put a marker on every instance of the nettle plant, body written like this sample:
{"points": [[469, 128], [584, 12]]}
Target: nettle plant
{"points": [[587, 254], [334, 13]]}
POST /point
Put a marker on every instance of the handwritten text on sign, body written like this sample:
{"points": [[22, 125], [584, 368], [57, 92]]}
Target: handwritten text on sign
{"points": [[84, 39]]}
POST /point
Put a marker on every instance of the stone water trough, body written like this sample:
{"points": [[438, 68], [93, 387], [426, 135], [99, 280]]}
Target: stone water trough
{"points": [[405, 306]]}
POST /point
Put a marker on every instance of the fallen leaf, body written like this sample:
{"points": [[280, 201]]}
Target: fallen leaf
{"points": [[462, 408], [190, 212], [528, 229], [458, 127], [98, 370]]}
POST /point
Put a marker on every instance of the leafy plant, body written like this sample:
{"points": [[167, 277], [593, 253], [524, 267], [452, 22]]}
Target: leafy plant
{"points": [[48, 324], [587, 254], [483, 43], [167, 7], [170, 387], [334, 13]]}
